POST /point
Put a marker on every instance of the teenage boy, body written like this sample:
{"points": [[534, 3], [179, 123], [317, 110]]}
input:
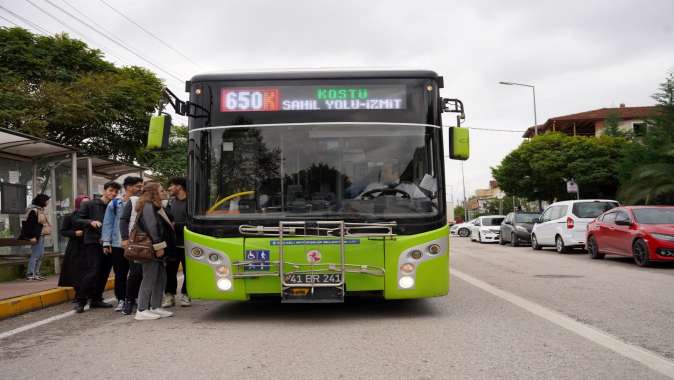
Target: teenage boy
{"points": [[112, 241], [95, 262], [177, 210]]}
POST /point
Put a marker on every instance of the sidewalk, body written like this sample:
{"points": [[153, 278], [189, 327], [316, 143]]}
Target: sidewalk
{"points": [[21, 296], [16, 288]]}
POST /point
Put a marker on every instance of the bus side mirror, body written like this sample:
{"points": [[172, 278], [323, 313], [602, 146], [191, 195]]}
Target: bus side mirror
{"points": [[459, 143], [159, 131]]}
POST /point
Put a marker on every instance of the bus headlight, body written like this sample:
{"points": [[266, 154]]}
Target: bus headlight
{"points": [[224, 284], [434, 249], [214, 258], [223, 270], [406, 282]]}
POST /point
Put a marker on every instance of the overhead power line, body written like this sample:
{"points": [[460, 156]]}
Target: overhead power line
{"points": [[68, 27], [118, 43], [26, 21], [9, 21], [149, 33]]}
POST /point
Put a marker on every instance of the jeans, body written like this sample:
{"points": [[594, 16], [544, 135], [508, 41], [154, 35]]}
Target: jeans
{"points": [[36, 253], [172, 273], [152, 286]]}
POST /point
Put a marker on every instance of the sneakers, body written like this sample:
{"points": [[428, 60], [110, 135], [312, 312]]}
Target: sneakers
{"points": [[39, 277], [30, 277], [99, 305], [169, 300], [128, 308], [185, 300], [161, 312], [120, 305], [145, 315], [79, 308]]}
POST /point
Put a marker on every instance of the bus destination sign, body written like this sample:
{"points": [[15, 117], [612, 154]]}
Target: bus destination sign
{"points": [[313, 98]]}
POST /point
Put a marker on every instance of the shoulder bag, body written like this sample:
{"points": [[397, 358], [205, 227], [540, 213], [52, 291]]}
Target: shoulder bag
{"points": [[140, 244]]}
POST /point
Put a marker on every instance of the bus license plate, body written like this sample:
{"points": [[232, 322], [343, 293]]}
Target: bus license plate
{"points": [[314, 278]]}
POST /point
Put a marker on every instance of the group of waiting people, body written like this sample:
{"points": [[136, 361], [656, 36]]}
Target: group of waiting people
{"points": [[98, 232]]}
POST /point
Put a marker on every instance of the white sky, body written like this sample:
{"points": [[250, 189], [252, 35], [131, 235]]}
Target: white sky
{"points": [[580, 55]]}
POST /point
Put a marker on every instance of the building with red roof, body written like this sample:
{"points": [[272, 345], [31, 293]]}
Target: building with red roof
{"points": [[591, 123]]}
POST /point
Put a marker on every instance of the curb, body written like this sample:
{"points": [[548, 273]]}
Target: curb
{"points": [[23, 304]]}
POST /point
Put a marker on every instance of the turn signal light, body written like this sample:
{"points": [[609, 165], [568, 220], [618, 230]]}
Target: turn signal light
{"points": [[407, 268], [213, 257], [434, 249], [197, 252], [416, 254], [569, 222], [223, 270]]}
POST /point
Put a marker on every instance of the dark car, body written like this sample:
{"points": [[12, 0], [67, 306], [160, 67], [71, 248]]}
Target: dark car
{"points": [[516, 227], [644, 232]]}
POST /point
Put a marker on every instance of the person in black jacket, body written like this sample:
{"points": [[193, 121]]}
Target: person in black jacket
{"points": [[153, 220], [95, 262], [71, 272], [34, 229], [177, 211]]}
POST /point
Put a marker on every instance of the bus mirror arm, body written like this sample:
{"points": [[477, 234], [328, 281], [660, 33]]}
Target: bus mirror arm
{"points": [[454, 106], [181, 107]]}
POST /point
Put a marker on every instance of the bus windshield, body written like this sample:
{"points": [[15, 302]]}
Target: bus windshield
{"points": [[345, 170]]}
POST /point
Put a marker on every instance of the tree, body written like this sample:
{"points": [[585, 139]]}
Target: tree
{"points": [[459, 213], [648, 163], [611, 125], [537, 169], [60, 89], [171, 162]]}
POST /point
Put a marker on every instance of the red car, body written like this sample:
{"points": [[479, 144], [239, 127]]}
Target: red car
{"points": [[643, 232]]}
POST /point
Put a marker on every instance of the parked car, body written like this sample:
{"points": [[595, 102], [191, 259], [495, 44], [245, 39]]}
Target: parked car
{"points": [[563, 224], [643, 232], [462, 229], [486, 229], [516, 227]]}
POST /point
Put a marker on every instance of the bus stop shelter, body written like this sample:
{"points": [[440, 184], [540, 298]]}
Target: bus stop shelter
{"points": [[31, 165]]}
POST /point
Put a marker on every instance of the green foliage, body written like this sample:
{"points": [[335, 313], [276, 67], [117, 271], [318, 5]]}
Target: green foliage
{"points": [[537, 168], [611, 125], [459, 213], [647, 166], [59, 88], [171, 162], [498, 206]]}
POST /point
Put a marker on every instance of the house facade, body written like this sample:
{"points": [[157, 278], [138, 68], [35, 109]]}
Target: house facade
{"points": [[593, 123]]}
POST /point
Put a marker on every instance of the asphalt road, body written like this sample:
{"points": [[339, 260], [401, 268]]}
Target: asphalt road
{"points": [[472, 333]]}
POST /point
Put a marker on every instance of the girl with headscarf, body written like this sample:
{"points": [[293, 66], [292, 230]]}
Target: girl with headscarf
{"points": [[70, 271]]}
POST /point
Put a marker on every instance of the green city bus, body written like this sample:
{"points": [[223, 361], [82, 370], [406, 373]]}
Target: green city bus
{"points": [[313, 186]]}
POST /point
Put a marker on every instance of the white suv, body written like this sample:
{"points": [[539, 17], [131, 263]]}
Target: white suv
{"points": [[563, 224], [486, 229]]}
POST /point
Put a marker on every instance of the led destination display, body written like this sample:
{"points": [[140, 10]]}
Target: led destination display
{"points": [[313, 98]]}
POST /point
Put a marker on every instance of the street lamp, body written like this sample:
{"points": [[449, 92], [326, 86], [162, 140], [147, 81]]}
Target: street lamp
{"points": [[533, 88]]}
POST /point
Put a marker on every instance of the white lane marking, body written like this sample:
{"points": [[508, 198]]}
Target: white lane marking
{"points": [[43, 322], [648, 358]]}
